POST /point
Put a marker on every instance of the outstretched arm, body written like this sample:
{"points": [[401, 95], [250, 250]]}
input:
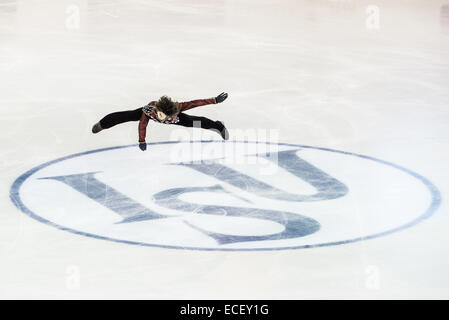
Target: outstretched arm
{"points": [[183, 106]]}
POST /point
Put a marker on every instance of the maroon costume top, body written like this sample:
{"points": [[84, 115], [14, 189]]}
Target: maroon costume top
{"points": [[149, 113]]}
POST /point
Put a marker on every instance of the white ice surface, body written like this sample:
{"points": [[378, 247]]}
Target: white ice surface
{"points": [[314, 70]]}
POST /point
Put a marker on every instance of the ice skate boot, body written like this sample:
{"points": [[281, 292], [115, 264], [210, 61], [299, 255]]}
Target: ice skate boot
{"points": [[223, 131], [97, 128]]}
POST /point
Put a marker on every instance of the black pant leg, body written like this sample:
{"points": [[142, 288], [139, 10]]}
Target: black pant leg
{"points": [[115, 118], [187, 120]]}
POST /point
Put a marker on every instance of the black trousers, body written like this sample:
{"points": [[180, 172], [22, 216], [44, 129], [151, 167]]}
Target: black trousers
{"points": [[185, 120]]}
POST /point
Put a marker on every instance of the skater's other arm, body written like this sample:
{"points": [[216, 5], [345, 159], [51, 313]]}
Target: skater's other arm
{"points": [[183, 106], [143, 123]]}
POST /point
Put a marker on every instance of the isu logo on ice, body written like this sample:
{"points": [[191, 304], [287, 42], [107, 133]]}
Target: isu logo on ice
{"points": [[217, 195]]}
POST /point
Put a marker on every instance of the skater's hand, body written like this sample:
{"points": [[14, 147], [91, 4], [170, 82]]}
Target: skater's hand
{"points": [[221, 97], [143, 146]]}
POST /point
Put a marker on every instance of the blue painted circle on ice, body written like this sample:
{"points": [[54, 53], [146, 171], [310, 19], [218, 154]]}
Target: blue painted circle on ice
{"points": [[435, 199]]}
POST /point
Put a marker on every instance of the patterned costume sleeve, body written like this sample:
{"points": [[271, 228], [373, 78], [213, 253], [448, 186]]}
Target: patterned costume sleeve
{"points": [[143, 123], [183, 106]]}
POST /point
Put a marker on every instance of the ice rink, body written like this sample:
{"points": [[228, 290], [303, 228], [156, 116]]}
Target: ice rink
{"points": [[351, 97]]}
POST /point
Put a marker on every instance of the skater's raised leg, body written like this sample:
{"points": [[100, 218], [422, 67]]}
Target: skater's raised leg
{"points": [[115, 118]]}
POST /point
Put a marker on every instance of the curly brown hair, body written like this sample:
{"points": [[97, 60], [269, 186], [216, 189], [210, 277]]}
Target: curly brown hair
{"points": [[167, 106]]}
